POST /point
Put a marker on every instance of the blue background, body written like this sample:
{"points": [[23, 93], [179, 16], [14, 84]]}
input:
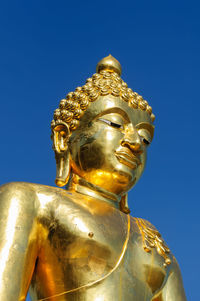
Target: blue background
{"points": [[48, 48]]}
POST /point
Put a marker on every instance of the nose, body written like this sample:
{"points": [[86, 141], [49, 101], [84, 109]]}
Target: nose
{"points": [[132, 141], [133, 146]]}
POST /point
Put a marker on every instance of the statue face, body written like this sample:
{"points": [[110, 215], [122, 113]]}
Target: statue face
{"points": [[109, 147]]}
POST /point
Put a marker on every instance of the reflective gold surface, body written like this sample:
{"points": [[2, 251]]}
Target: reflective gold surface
{"points": [[81, 243]]}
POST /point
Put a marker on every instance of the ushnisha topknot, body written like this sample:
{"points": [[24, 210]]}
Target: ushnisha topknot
{"points": [[106, 81]]}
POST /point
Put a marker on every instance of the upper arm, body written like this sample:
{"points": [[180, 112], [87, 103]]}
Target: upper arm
{"points": [[18, 240], [173, 289]]}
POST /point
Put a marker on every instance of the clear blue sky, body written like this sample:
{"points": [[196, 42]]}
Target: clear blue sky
{"points": [[48, 48]]}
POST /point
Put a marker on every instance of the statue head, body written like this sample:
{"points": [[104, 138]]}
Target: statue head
{"points": [[101, 131]]}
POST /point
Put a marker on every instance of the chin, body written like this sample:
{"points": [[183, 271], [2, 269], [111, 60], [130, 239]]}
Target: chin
{"points": [[122, 181], [125, 174], [127, 178]]}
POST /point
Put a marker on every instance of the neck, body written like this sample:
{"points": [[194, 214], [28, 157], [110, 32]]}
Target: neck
{"points": [[82, 186]]}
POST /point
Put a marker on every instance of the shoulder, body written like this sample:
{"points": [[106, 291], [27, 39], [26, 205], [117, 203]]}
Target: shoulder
{"points": [[19, 187], [29, 195], [33, 200], [152, 241], [152, 255], [15, 190], [18, 195]]}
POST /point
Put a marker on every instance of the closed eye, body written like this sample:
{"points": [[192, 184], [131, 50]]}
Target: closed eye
{"points": [[145, 136], [145, 141], [113, 124]]}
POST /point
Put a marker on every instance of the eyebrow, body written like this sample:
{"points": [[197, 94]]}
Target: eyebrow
{"points": [[147, 126], [119, 111]]}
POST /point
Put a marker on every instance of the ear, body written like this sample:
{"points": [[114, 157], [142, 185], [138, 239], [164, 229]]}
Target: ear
{"points": [[60, 135], [124, 204]]}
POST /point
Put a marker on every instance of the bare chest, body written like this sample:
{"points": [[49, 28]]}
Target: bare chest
{"points": [[84, 242], [84, 254]]}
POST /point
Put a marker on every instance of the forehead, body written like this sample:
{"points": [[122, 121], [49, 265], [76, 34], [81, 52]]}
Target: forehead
{"points": [[110, 104]]}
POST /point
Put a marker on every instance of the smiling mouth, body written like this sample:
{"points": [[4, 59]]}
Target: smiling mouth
{"points": [[129, 160]]}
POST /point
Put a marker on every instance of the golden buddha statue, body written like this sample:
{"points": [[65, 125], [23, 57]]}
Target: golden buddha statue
{"points": [[80, 243]]}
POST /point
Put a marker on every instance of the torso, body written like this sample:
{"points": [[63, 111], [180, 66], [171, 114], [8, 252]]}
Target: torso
{"points": [[83, 253]]}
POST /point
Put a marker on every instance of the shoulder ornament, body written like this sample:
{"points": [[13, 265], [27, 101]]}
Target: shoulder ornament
{"points": [[152, 239]]}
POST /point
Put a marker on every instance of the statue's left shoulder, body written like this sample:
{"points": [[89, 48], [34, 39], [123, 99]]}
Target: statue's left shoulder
{"points": [[163, 274], [152, 240]]}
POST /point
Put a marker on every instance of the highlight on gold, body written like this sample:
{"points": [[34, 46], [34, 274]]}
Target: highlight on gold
{"points": [[80, 242]]}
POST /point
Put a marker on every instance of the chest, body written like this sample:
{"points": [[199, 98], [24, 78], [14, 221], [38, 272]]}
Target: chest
{"points": [[85, 241], [81, 247]]}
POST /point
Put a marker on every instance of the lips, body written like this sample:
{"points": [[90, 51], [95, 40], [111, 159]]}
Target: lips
{"points": [[126, 157]]}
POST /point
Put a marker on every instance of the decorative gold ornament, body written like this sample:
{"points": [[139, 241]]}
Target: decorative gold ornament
{"points": [[106, 81], [152, 239]]}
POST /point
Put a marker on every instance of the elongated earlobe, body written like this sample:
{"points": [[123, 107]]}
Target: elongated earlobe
{"points": [[124, 204], [60, 146], [62, 169]]}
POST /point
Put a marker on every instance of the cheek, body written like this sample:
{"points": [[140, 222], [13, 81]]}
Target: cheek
{"points": [[99, 150], [144, 158], [91, 156], [95, 148], [141, 168]]}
